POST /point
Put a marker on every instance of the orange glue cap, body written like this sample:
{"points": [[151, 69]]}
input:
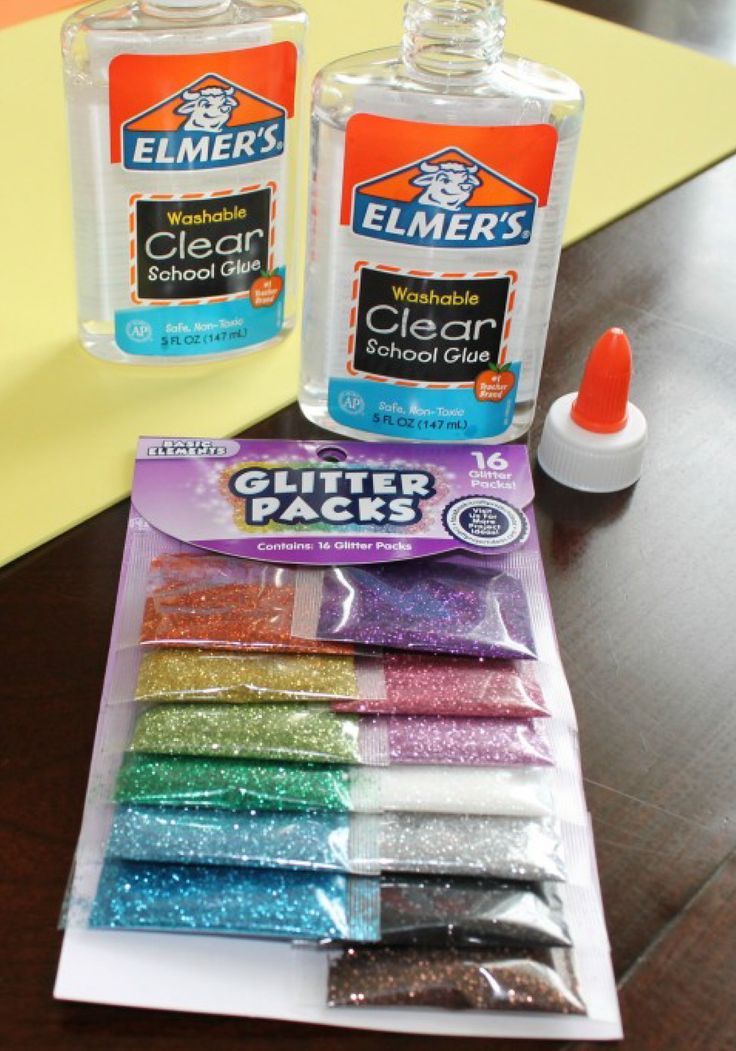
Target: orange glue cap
{"points": [[594, 438]]}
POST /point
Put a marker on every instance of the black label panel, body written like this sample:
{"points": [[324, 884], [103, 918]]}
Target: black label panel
{"points": [[429, 329], [201, 248]]}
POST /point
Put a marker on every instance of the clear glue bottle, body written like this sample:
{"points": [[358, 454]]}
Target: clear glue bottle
{"points": [[441, 171], [183, 128]]}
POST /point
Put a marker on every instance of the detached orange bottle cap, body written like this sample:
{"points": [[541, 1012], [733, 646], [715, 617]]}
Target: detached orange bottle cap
{"points": [[594, 438], [601, 404]]}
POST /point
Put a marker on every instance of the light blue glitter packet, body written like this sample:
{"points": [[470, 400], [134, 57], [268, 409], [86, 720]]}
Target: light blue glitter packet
{"points": [[215, 837], [260, 903]]}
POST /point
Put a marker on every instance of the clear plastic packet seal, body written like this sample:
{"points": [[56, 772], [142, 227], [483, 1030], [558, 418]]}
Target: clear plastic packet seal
{"points": [[247, 785], [258, 903], [462, 604], [388, 682], [540, 979]]}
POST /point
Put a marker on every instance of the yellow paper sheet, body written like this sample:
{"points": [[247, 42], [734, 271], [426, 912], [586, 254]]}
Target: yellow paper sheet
{"points": [[656, 114]]}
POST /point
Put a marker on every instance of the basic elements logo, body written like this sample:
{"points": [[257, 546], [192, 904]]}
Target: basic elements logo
{"points": [[210, 123], [448, 200]]}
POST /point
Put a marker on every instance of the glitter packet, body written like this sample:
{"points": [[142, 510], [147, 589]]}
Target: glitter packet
{"points": [[503, 847], [478, 979], [390, 681], [246, 785], [261, 903], [439, 912]]}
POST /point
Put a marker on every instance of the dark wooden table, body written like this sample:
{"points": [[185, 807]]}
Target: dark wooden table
{"points": [[642, 585]]}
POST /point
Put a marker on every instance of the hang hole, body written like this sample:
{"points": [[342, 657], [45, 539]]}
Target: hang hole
{"points": [[332, 454]]}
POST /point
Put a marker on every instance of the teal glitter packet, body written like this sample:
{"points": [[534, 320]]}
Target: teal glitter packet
{"points": [[261, 903], [231, 784]]}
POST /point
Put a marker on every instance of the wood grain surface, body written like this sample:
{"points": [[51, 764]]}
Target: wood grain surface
{"points": [[642, 587]]}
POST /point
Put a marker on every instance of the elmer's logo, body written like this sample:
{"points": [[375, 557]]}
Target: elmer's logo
{"points": [[210, 123], [448, 200]]}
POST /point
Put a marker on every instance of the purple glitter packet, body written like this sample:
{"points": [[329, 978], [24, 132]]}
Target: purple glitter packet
{"points": [[459, 604], [479, 742]]}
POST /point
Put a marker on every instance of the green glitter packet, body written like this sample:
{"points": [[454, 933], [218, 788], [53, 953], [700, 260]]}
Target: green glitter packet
{"points": [[231, 784], [285, 733]]}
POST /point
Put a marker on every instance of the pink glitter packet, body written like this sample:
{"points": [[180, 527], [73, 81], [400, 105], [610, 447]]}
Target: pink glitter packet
{"points": [[437, 684]]}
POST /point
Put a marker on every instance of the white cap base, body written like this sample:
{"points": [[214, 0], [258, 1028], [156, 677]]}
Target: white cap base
{"points": [[587, 460]]}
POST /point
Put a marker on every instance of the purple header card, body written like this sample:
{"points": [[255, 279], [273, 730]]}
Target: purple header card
{"points": [[334, 502]]}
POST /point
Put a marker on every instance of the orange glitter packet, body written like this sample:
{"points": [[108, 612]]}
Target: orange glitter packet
{"points": [[205, 600]]}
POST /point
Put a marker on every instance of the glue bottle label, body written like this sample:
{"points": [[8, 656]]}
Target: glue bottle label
{"points": [[200, 142], [438, 227]]}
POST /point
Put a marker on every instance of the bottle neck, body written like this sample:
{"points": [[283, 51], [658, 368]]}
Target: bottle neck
{"points": [[181, 10], [452, 38]]}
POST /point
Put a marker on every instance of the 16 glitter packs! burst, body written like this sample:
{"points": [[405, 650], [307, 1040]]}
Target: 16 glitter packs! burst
{"points": [[335, 713]]}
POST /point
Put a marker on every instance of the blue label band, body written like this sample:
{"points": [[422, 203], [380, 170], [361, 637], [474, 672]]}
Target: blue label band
{"points": [[419, 413], [202, 328]]}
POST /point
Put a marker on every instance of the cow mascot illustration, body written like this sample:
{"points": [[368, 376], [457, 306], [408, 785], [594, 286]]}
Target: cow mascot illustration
{"points": [[209, 109], [447, 184]]}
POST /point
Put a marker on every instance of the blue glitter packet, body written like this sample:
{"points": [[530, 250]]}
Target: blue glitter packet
{"points": [[260, 903]]}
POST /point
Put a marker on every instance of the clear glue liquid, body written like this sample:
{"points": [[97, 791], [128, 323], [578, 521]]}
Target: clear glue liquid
{"points": [[183, 129], [441, 173]]}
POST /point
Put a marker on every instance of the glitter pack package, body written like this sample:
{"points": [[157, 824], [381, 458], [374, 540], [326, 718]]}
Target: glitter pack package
{"points": [[391, 682], [335, 713]]}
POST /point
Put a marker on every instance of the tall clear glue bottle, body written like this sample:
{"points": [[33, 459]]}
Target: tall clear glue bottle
{"points": [[183, 127], [441, 171]]}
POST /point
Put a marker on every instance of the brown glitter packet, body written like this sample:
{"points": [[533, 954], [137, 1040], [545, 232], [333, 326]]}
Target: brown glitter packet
{"points": [[482, 980]]}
